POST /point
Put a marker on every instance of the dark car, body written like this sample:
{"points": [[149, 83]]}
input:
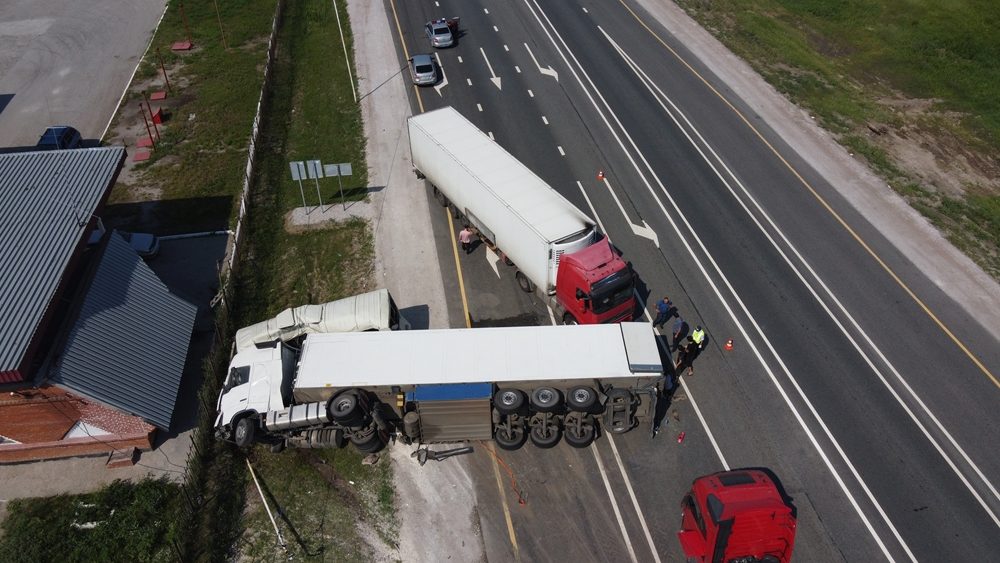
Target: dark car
{"points": [[59, 137]]}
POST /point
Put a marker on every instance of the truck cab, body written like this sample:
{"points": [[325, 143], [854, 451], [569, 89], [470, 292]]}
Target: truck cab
{"points": [[737, 517], [259, 380], [595, 286]]}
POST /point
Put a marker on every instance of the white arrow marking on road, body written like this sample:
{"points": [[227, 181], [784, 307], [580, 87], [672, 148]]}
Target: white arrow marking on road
{"points": [[548, 70], [444, 77], [645, 230], [493, 258], [493, 76]]}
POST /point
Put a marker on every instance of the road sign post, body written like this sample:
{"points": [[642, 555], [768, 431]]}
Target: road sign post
{"points": [[298, 172], [315, 169]]}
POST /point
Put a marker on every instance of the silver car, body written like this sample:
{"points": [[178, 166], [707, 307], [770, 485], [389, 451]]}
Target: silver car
{"points": [[422, 70], [439, 34]]}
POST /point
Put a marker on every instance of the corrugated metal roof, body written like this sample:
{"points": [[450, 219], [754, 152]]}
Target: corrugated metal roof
{"points": [[46, 200], [128, 345]]}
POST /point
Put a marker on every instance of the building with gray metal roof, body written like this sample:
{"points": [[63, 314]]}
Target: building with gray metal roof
{"points": [[47, 205], [128, 344]]}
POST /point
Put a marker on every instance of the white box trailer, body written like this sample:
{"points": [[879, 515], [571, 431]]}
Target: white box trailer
{"points": [[555, 246], [444, 385], [510, 205]]}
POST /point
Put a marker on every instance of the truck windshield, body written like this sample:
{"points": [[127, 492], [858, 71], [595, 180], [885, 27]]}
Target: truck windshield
{"points": [[612, 291]]}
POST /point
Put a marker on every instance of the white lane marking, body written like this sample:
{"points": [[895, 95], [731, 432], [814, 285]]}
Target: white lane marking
{"points": [[585, 10], [468, 81], [490, 133], [645, 231], [712, 285], [850, 335], [552, 314], [635, 502], [444, 77], [479, 107], [592, 210], [492, 257], [485, 11], [614, 504], [547, 70], [493, 77], [531, 94], [561, 152], [495, 28], [545, 120], [518, 69], [506, 48], [436, 4], [460, 58]]}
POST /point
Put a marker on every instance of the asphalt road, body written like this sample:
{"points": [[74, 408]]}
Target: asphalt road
{"points": [[843, 381], [67, 63]]}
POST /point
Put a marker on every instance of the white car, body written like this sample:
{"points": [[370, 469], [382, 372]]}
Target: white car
{"points": [[144, 244], [422, 70]]}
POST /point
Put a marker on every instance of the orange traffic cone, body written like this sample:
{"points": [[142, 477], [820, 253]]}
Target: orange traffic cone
{"points": [[600, 175], [729, 344]]}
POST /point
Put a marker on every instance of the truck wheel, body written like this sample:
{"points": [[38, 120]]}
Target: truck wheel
{"points": [[508, 401], [507, 260], [581, 398], [524, 282], [569, 319], [510, 440], [546, 399], [544, 436], [440, 197], [245, 432], [580, 435], [367, 441], [345, 408]]}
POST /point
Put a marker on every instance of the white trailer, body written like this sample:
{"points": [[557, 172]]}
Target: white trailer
{"points": [[444, 386], [374, 310], [510, 205]]}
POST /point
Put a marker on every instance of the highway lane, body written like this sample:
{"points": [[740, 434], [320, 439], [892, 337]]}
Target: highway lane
{"points": [[834, 374]]}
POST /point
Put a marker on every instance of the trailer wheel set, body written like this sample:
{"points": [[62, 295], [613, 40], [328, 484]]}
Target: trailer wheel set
{"points": [[547, 415]]}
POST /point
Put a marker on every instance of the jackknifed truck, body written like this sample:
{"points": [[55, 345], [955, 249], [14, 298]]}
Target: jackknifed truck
{"points": [[511, 384], [554, 246]]}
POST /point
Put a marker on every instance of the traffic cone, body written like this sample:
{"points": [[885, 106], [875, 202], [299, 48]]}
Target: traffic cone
{"points": [[680, 437], [600, 175], [729, 344]]}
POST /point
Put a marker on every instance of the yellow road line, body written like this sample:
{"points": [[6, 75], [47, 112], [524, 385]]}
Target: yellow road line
{"points": [[465, 309], [503, 502], [458, 269], [824, 203]]}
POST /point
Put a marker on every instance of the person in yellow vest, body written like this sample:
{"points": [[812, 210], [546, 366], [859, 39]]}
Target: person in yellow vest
{"points": [[698, 337]]}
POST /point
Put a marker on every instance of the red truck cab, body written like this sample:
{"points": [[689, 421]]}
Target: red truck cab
{"points": [[595, 285], [737, 517]]}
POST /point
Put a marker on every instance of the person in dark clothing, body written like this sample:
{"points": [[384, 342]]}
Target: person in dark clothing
{"points": [[663, 310], [685, 358], [680, 331]]}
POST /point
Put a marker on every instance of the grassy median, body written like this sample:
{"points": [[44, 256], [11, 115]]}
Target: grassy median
{"points": [[887, 77]]}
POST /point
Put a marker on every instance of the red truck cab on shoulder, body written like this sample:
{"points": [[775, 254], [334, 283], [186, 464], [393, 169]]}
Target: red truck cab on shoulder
{"points": [[737, 517], [595, 285]]}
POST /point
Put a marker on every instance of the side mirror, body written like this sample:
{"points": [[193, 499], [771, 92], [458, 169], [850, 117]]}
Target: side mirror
{"points": [[580, 294]]}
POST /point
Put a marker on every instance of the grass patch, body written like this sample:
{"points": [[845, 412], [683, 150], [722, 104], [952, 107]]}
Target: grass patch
{"points": [[121, 522], [847, 61]]}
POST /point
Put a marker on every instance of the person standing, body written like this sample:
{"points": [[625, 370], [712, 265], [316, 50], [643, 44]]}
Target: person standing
{"points": [[663, 309], [680, 331], [465, 237], [698, 337], [685, 359]]}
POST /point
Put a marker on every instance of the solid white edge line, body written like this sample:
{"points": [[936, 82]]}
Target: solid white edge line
{"points": [[701, 267], [121, 98], [660, 95], [614, 504], [635, 502]]}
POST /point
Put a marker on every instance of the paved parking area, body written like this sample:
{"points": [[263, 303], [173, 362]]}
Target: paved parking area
{"points": [[67, 63]]}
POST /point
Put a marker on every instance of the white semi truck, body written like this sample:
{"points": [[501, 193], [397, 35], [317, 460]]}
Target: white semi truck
{"points": [[556, 247], [510, 384]]}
